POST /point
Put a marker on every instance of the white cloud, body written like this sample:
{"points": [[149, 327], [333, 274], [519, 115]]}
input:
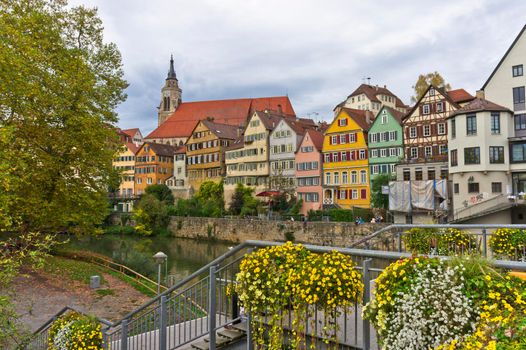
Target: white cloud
{"points": [[316, 51]]}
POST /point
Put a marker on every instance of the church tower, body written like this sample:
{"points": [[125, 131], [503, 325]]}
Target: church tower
{"points": [[170, 95]]}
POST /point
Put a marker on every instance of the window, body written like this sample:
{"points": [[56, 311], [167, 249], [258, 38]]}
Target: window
{"points": [[456, 188], [327, 178], [383, 152], [354, 177], [412, 132], [520, 121], [384, 118], [428, 151], [363, 176], [517, 70], [392, 135], [439, 107], [149, 181], [431, 173], [427, 130], [374, 137], [418, 174], [495, 123], [336, 178], [343, 156], [518, 152], [442, 149], [374, 153], [453, 128], [472, 155], [471, 124], [425, 109], [374, 169], [496, 154], [407, 174], [342, 122], [139, 180], [334, 140], [454, 157], [441, 128], [393, 152], [362, 154], [414, 152], [431, 92], [496, 187], [473, 187], [345, 178], [343, 138], [335, 157], [518, 98], [352, 137], [354, 194], [343, 194]]}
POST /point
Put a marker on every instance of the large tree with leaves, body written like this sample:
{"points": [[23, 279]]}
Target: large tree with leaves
{"points": [[424, 80], [378, 199], [60, 86]]}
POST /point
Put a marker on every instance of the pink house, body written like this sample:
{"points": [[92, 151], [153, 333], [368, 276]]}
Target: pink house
{"points": [[309, 171]]}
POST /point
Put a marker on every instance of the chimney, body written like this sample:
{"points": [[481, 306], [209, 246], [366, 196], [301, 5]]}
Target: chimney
{"points": [[376, 87], [280, 110], [480, 94], [385, 86], [239, 130]]}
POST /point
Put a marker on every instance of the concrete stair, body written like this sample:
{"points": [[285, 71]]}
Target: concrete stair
{"points": [[224, 337]]}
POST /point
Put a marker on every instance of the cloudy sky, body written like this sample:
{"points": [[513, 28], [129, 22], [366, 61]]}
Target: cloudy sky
{"points": [[317, 52]]}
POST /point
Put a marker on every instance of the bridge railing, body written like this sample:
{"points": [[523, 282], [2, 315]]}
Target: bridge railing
{"points": [[204, 302], [392, 238]]}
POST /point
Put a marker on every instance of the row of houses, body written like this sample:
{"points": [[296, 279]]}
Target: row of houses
{"points": [[453, 156]]}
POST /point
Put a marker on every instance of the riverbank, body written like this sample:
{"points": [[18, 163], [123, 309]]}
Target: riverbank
{"points": [[38, 295], [341, 234]]}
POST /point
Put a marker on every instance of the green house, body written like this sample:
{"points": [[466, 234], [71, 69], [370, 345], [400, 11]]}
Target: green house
{"points": [[385, 142]]}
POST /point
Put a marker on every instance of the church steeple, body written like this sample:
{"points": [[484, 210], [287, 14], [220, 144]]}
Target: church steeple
{"points": [[170, 95], [171, 72]]}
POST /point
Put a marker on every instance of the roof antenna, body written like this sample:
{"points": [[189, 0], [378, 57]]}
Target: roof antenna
{"points": [[368, 80]]}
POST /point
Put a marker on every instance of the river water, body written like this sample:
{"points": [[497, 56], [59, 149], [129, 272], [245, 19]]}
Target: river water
{"points": [[184, 255]]}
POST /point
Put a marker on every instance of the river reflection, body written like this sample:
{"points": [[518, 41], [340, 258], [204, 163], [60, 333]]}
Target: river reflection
{"points": [[184, 255]]}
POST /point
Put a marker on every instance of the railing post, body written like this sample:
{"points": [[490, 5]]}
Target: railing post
{"points": [[124, 334], [250, 344], [163, 322], [484, 243], [212, 309], [399, 241], [105, 344], [366, 329]]}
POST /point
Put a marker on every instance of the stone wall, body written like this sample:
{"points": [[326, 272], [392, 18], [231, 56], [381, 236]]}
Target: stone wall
{"points": [[238, 230]]}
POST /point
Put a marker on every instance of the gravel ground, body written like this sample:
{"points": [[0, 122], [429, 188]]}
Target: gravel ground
{"points": [[39, 295]]}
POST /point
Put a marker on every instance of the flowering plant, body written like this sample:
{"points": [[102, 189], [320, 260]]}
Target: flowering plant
{"points": [[75, 331], [288, 277], [443, 242], [509, 243], [419, 304]]}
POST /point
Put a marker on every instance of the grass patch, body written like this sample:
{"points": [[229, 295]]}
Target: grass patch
{"points": [[137, 286], [105, 292], [73, 269]]}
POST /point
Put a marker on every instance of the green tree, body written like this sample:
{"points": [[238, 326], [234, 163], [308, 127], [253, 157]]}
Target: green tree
{"points": [[379, 200], [210, 197], [423, 82], [60, 86], [151, 215], [161, 192], [243, 201]]}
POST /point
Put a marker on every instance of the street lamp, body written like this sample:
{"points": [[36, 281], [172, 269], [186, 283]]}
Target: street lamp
{"points": [[159, 259]]}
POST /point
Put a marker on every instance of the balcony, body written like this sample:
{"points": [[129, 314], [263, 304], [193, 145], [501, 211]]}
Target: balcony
{"points": [[431, 159]]}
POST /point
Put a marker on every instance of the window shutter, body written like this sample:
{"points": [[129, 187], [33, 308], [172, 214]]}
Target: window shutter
{"points": [[330, 140], [347, 138], [363, 194], [337, 194], [349, 155], [348, 194], [330, 157]]}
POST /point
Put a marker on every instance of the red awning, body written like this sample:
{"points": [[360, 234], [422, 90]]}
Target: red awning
{"points": [[268, 194]]}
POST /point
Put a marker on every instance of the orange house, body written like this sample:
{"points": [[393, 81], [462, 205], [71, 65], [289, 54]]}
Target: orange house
{"points": [[154, 164]]}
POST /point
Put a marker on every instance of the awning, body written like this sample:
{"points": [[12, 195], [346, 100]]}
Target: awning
{"points": [[268, 194]]}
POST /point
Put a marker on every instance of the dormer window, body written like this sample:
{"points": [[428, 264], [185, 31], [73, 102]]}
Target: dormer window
{"points": [[431, 92]]}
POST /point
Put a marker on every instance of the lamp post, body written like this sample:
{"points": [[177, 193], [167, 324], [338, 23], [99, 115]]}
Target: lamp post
{"points": [[159, 259]]}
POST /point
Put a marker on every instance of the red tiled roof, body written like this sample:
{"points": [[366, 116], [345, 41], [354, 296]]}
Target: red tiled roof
{"points": [[180, 149], [360, 117], [372, 91], [460, 95], [232, 112], [132, 147], [317, 138], [130, 132], [480, 105]]}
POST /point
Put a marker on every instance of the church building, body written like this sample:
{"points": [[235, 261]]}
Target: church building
{"points": [[177, 119]]}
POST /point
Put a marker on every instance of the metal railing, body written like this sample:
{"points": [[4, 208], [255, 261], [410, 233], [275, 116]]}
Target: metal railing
{"points": [[391, 238], [204, 303]]}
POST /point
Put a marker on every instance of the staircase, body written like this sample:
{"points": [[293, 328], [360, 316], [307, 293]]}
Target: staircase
{"points": [[486, 207]]}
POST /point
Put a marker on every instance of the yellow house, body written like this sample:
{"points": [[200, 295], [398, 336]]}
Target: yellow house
{"points": [[345, 160]]}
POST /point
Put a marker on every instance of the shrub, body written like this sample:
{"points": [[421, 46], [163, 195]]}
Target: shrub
{"points": [[75, 331], [509, 243], [119, 230]]}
